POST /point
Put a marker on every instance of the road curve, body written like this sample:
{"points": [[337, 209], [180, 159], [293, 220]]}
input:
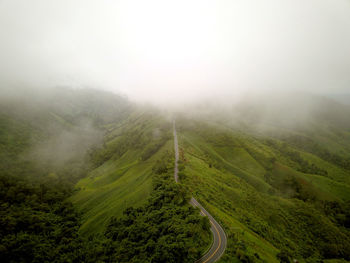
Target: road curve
{"points": [[219, 237]]}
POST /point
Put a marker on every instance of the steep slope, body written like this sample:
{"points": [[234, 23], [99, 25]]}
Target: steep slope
{"points": [[123, 173], [272, 198]]}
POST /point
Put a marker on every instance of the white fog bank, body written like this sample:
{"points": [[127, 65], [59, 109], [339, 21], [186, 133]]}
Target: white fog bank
{"points": [[175, 51]]}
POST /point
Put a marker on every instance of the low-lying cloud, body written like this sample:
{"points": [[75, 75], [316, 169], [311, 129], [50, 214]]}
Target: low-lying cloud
{"points": [[176, 51], [64, 146]]}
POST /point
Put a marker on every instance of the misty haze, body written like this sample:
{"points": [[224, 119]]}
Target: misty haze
{"points": [[175, 131]]}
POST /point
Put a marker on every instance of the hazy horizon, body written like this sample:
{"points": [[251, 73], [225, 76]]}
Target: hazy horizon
{"points": [[177, 51]]}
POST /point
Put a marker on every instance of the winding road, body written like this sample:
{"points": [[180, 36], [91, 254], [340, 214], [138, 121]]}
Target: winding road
{"points": [[219, 237]]}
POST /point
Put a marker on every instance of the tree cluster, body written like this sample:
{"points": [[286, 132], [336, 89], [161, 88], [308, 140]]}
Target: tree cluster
{"points": [[165, 229], [36, 223]]}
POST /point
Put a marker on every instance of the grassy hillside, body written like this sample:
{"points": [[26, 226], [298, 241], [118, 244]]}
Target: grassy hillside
{"points": [[274, 200], [123, 172]]}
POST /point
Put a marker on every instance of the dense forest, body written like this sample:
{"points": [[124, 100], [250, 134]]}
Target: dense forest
{"points": [[37, 223]]}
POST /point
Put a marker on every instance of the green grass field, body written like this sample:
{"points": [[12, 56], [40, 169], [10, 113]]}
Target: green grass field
{"points": [[123, 179]]}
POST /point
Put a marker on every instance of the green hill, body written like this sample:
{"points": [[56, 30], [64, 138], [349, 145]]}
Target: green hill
{"points": [[274, 196], [123, 173]]}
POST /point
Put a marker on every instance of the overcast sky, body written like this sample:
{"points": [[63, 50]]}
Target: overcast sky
{"points": [[157, 50]]}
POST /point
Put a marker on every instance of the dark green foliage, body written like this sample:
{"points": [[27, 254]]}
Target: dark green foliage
{"points": [[36, 223], [284, 256], [338, 212], [237, 249], [165, 229], [160, 167]]}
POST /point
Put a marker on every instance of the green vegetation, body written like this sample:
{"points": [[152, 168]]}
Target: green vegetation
{"points": [[165, 229], [87, 177], [37, 224], [122, 176], [276, 202]]}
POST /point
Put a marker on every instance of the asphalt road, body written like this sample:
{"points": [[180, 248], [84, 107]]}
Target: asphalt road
{"points": [[219, 237], [176, 146]]}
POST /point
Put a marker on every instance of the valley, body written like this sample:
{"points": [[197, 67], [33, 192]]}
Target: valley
{"points": [[272, 194]]}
